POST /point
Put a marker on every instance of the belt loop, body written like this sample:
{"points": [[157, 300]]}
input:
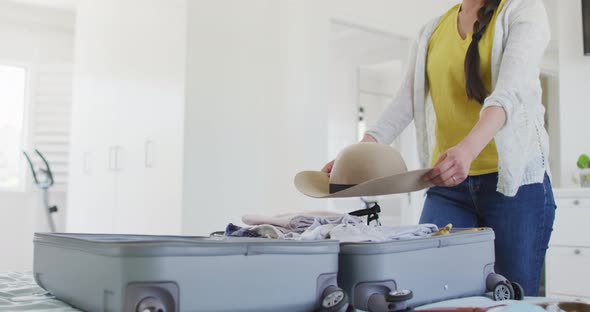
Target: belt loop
{"points": [[474, 183]]}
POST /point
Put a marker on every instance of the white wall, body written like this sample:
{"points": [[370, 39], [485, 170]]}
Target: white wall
{"points": [[233, 108], [34, 37], [550, 84], [574, 77], [258, 108], [255, 111]]}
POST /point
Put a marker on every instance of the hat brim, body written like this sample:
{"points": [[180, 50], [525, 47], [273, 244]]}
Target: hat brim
{"points": [[317, 184]]}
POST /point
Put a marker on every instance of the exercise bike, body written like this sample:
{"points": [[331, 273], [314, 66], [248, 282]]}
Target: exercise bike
{"points": [[44, 184]]}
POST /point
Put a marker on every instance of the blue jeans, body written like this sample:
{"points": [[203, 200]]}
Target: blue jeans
{"points": [[522, 224]]}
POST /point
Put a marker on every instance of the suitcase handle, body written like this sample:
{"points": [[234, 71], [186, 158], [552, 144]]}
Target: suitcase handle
{"points": [[372, 213]]}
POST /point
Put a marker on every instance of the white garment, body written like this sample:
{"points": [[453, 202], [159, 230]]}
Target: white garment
{"points": [[299, 222], [317, 233], [268, 231], [521, 34], [365, 233]]}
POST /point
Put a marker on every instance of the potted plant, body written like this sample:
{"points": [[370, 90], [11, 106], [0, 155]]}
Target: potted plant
{"points": [[584, 165]]}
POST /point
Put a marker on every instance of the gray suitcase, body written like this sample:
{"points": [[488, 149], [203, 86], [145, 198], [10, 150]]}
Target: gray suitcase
{"points": [[394, 276], [162, 273]]}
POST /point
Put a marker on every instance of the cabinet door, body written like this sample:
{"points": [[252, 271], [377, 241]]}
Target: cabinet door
{"points": [[571, 216], [150, 120], [150, 181], [91, 193], [568, 272]]}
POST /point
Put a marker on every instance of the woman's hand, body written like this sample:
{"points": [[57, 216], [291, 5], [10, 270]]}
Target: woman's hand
{"points": [[328, 167], [452, 167]]}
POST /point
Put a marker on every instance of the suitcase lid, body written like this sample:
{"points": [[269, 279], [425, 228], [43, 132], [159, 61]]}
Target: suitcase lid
{"points": [[115, 245], [453, 239]]}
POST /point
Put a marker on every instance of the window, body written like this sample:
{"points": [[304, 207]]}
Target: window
{"points": [[12, 110]]}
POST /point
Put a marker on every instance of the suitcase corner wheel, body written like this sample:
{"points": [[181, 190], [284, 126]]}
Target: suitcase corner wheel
{"points": [[381, 298], [503, 289], [397, 300], [151, 304], [334, 299], [399, 296], [152, 297]]}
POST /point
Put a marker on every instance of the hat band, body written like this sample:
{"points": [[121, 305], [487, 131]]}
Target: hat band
{"points": [[334, 188]]}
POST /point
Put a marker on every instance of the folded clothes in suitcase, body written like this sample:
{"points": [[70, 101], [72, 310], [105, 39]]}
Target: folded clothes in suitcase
{"points": [[392, 276], [97, 272]]}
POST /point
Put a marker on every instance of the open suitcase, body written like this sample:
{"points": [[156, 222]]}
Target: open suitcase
{"points": [[97, 272], [398, 275]]}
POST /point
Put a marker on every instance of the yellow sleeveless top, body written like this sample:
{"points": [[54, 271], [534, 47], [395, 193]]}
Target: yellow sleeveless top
{"points": [[456, 114]]}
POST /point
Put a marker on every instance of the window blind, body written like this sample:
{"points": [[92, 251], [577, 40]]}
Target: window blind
{"points": [[50, 115]]}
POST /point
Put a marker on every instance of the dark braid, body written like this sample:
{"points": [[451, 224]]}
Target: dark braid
{"points": [[473, 80]]}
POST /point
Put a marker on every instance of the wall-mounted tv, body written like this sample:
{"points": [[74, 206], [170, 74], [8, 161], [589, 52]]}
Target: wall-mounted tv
{"points": [[586, 22]]}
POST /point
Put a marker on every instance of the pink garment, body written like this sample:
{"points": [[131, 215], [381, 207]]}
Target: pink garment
{"points": [[299, 222]]}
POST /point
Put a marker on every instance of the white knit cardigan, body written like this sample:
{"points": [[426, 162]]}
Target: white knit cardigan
{"points": [[521, 37]]}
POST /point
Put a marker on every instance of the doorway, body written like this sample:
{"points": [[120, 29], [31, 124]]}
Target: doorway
{"points": [[367, 67]]}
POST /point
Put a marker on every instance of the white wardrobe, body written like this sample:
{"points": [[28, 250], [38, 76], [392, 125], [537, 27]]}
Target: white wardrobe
{"points": [[127, 119], [184, 119]]}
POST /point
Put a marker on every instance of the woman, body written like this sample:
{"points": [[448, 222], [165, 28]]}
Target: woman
{"points": [[480, 62]]}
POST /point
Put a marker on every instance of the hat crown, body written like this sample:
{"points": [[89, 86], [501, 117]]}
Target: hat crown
{"points": [[363, 162]]}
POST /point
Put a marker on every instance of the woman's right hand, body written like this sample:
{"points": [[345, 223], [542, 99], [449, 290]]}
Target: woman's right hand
{"points": [[328, 167]]}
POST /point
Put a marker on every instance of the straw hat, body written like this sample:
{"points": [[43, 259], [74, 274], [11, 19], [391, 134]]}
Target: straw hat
{"points": [[363, 169]]}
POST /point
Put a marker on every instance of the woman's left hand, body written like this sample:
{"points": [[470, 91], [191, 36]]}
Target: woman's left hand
{"points": [[452, 167]]}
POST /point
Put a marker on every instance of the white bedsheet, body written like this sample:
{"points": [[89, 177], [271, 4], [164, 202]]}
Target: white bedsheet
{"points": [[19, 292], [527, 305]]}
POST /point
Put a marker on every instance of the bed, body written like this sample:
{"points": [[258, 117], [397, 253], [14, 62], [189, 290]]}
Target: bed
{"points": [[19, 292]]}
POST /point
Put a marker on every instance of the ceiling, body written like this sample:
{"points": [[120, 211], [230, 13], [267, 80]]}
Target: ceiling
{"points": [[54, 4]]}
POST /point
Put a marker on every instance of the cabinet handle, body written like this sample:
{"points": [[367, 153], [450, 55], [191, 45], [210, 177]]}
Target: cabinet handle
{"points": [[111, 157], [576, 202], [577, 252], [86, 163], [114, 152], [117, 150], [149, 154], [115, 158]]}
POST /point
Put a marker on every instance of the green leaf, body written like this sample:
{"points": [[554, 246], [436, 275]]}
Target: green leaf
{"points": [[584, 161], [588, 177]]}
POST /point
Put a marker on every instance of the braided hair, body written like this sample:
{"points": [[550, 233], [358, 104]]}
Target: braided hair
{"points": [[473, 80]]}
